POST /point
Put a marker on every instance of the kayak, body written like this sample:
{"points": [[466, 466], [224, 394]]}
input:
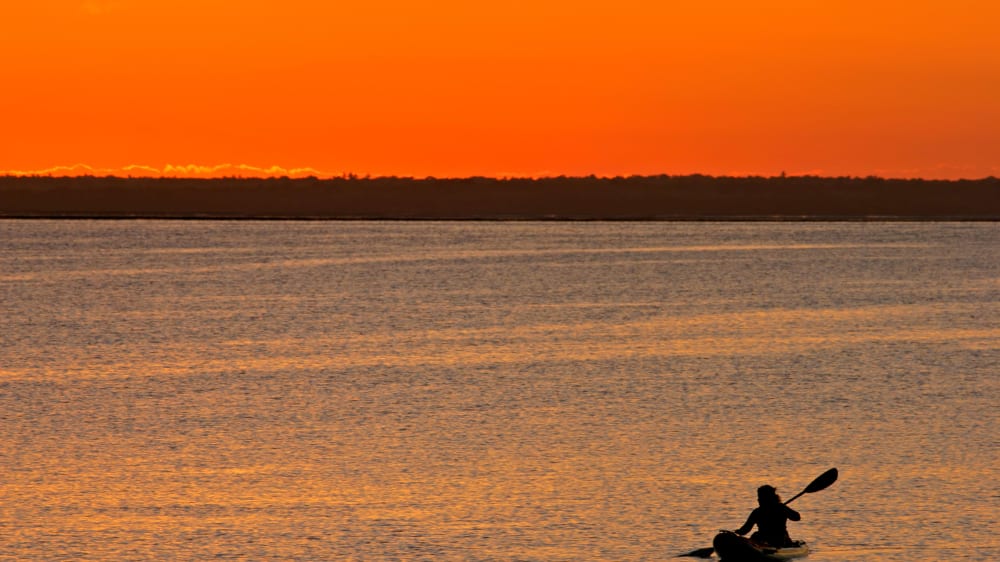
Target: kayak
{"points": [[734, 548]]}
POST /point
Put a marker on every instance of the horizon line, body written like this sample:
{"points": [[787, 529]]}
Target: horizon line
{"points": [[236, 171]]}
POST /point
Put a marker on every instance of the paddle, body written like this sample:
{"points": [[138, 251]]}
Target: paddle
{"points": [[822, 482]]}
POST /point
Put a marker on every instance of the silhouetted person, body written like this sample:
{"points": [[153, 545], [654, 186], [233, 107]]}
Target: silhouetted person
{"points": [[771, 519]]}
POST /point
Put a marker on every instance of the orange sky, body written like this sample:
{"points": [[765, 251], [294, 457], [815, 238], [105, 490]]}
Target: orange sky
{"points": [[486, 87]]}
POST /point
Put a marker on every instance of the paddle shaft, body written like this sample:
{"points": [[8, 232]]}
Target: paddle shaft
{"points": [[794, 497]]}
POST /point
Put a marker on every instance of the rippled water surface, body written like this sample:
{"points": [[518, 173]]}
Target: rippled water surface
{"points": [[494, 391]]}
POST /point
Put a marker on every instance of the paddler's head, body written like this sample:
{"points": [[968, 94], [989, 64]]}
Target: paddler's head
{"points": [[767, 495]]}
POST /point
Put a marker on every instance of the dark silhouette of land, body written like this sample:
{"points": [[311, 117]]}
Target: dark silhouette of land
{"points": [[694, 197]]}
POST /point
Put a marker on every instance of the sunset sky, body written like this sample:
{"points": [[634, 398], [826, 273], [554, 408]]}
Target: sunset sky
{"points": [[899, 88]]}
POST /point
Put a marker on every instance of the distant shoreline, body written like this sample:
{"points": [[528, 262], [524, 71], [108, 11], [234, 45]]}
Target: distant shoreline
{"points": [[636, 198]]}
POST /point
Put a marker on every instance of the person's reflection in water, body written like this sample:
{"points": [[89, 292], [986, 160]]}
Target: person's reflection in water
{"points": [[771, 519]]}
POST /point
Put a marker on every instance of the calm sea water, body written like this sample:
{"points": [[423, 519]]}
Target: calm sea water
{"points": [[494, 391]]}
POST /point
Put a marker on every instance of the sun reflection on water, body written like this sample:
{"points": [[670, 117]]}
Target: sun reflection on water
{"points": [[494, 401]]}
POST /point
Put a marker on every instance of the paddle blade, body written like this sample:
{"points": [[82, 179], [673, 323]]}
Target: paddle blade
{"points": [[700, 553], [822, 482]]}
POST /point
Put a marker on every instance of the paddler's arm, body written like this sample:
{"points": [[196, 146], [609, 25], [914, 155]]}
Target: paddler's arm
{"points": [[751, 521], [792, 514]]}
